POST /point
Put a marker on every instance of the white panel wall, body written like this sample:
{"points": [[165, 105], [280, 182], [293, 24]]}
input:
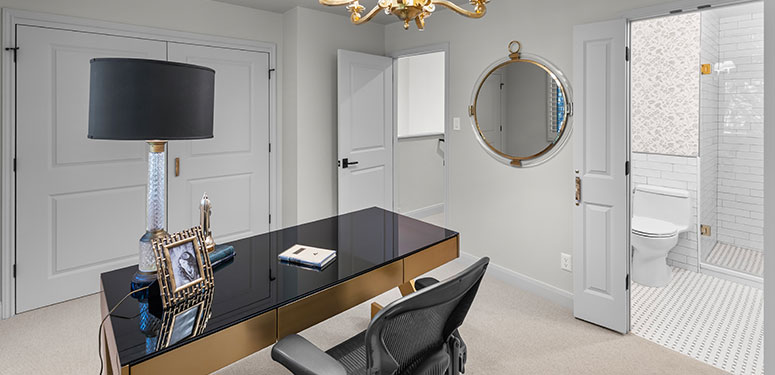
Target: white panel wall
{"points": [[198, 16], [678, 172], [741, 142]]}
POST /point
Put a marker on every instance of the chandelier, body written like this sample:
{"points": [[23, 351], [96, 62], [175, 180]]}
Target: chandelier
{"points": [[407, 10]]}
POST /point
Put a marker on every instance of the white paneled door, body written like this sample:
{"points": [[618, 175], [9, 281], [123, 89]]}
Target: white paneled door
{"points": [[601, 249], [365, 131], [80, 202], [233, 166]]}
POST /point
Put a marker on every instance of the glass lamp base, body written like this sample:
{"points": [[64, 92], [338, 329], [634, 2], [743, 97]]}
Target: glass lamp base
{"points": [[140, 280]]}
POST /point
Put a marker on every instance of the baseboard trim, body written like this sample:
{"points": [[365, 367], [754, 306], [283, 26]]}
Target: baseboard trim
{"points": [[424, 212], [552, 293]]}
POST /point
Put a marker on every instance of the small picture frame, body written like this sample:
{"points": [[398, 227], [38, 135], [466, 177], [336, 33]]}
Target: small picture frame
{"points": [[185, 320], [183, 266]]}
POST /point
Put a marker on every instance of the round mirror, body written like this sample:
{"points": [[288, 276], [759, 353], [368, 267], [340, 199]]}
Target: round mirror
{"points": [[521, 109]]}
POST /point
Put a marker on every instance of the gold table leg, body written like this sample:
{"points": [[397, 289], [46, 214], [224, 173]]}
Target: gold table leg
{"points": [[406, 289]]}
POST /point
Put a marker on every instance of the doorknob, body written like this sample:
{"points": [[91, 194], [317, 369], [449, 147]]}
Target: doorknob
{"points": [[177, 167], [578, 190], [346, 163]]}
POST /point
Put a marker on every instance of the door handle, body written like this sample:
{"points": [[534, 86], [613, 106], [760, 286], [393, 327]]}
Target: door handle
{"points": [[346, 163], [578, 191], [177, 167]]}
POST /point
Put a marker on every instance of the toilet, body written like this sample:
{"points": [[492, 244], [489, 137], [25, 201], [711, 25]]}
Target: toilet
{"points": [[660, 214]]}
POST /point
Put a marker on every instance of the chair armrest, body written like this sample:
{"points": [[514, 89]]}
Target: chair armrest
{"points": [[302, 357]]}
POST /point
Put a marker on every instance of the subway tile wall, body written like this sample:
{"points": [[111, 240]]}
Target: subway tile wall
{"points": [[678, 172], [740, 139]]}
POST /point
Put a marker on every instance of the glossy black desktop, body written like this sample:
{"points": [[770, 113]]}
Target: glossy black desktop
{"points": [[255, 282]]}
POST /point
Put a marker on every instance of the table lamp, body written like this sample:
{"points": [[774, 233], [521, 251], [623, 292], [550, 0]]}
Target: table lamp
{"points": [[153, 101]]}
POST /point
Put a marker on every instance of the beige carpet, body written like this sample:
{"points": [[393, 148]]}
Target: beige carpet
{"points": [[508, 332]]}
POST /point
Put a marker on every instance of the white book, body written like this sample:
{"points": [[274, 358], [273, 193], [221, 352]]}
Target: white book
{"points": [[308, 256]]}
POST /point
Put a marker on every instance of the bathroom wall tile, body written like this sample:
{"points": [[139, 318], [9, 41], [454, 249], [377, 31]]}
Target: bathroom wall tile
{"points": [[665, 82]]}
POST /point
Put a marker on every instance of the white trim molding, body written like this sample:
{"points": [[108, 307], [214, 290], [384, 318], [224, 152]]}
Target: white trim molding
{"points": [[422, 213], [12, 18], [552, 293]]}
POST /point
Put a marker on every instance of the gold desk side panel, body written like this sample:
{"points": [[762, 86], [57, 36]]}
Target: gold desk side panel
{"points": [[431, 258], [311, 310], [112, 364], [216, 351]]}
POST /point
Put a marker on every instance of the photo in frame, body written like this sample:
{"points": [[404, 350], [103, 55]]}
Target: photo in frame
{"points": [[183, 266], [185, 320]]}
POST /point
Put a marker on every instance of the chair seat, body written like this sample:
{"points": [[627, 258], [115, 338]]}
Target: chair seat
{"points": [[351, 354]]}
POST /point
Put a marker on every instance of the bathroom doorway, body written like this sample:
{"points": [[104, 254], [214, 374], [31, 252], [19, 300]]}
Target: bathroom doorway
{"points": [[696, 115]]}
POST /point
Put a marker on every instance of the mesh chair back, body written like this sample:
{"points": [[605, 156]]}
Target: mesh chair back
{"points": [[407, 331]]}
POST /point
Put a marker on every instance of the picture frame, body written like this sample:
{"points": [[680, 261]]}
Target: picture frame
{"points": [[185, 320], [183, 266]]}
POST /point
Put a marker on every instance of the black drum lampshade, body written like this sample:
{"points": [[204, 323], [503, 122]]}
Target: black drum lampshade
{"points": [[139, 99]]}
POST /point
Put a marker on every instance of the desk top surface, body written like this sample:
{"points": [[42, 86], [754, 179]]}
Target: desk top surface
{"points": [[256, 282]]}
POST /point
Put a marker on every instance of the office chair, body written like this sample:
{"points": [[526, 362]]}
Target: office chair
{"points": [[411, 336]]}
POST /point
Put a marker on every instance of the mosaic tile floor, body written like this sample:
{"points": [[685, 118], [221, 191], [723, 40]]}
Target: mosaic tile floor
{"points": [[716, 321], [737, 258]]}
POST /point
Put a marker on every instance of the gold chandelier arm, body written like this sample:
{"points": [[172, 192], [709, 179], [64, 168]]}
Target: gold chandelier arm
{"points": [[335, 2], [479, 7], [373, 12]]}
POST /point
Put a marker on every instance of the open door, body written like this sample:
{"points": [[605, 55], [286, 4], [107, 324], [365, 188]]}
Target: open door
{"points": [[601, 241], [365, 97]]}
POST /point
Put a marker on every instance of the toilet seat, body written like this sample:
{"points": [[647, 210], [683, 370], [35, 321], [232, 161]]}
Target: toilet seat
{"points": [[653, 228]]}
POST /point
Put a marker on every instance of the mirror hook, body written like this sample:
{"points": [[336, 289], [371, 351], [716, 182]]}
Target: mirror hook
{"points": [[515, 55]]}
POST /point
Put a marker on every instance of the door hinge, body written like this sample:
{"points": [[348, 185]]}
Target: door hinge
{"points": [[14, 271], [270, 147], [270, 218], [270, 72], [627, 168], [627, 282], [14, 165], [626, 53], [15, 52]]}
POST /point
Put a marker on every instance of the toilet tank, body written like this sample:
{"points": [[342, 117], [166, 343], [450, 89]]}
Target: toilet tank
{"points": [[657, 202]]}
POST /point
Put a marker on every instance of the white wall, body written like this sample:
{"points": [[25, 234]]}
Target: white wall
{"points": [[312, 129], [419, 176], [769, 200], [197, 16], [497, 208], [420, 94]]}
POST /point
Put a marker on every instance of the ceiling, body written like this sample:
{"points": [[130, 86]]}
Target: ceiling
{"points": [[282, 6]]}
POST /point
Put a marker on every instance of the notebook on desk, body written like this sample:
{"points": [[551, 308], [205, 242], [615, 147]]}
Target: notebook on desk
{"points": [[308, 256]]}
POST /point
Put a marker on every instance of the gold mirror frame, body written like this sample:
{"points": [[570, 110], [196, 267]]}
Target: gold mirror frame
{"points": [[516, 56]]}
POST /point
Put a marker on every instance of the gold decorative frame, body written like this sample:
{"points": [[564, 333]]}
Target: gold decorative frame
{"points": [[203, 302], [171, 293], [516, 56]]}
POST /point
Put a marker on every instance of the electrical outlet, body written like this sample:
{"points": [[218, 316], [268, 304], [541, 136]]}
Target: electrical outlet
{"points": [[566, 262], [456, 123]]}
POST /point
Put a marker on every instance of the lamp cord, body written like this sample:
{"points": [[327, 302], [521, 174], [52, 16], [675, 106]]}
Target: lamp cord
{"points": [[99, 332]]}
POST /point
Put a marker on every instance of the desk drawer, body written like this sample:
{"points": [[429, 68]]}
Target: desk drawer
{"points": [[318, 307], [215, 351], [430, 258]]}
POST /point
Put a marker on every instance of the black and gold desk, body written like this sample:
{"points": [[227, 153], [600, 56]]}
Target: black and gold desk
{"points": [[257, 299]]}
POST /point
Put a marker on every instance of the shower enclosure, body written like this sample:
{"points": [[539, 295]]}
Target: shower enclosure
{"points": [[731, 175]]}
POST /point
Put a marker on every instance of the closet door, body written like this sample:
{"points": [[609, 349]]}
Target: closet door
{"points": [[80, 202], [233, 166]]}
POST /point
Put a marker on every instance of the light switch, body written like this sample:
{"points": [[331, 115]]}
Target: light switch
{"points": [[456, 123]]}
